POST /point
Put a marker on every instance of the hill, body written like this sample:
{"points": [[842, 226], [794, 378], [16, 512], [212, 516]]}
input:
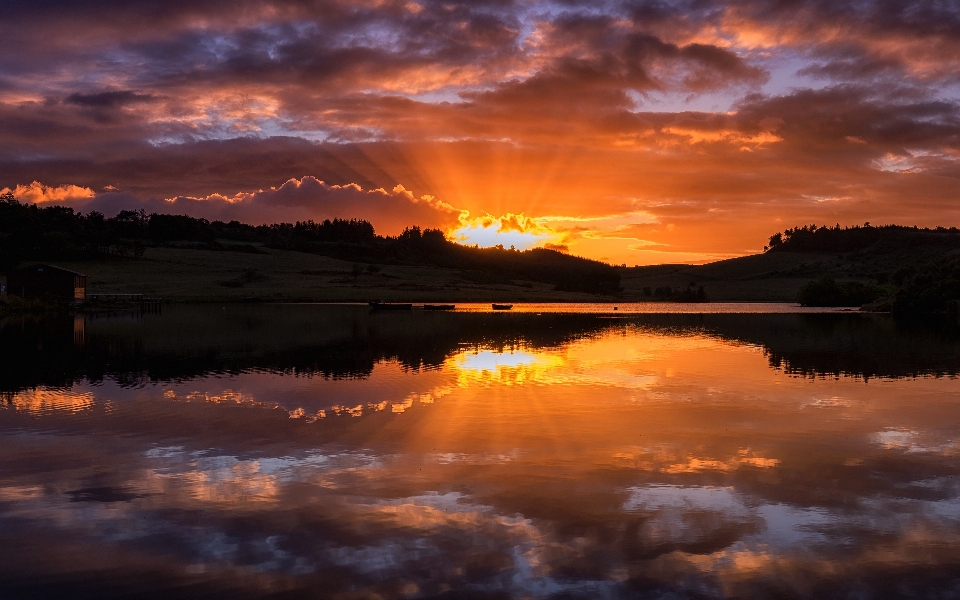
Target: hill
{"points": [[885, 259], [55, 233], [179, 274]]}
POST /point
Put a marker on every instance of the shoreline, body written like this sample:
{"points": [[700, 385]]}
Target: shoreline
{"points": [[608, 308]]}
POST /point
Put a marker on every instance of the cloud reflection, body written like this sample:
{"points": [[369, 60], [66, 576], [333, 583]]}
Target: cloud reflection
{"points": [[626, 463], [44, 400]]}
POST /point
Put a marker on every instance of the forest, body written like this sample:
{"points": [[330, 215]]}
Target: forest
{"points": [[885, 238]]}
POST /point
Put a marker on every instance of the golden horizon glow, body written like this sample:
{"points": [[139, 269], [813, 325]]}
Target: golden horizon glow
{"points": [[509, 231]]}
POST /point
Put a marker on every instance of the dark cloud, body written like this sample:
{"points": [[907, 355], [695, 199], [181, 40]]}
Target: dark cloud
{"points": [[105, 107], [835, 118], [111, 99]]}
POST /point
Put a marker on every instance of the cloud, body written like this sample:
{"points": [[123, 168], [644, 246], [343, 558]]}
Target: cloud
{"points": [[37, 193], [389, 211], [110, 99], [294, 200]]}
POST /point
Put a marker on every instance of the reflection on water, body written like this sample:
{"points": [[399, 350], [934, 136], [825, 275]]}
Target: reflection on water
{"points": [[38, 401], [658, 308], [306, 451], [489, 360]]}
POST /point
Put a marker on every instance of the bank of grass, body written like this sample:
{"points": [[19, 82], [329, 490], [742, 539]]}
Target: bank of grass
{"points": [[12, 306], [273, 275], [770, 277], [192, 275]]}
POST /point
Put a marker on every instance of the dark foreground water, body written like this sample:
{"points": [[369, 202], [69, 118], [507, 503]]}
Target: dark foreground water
{"points": [[323, 451]]}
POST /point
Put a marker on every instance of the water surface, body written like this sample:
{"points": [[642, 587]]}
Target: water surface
{"points": [[324, 451], [656, 308]]}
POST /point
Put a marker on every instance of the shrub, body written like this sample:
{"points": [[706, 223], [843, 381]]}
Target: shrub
{"points": [[827, 292]]}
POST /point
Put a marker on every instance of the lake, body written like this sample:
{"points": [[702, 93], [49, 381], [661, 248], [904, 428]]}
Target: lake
{"points": [[287, 451]]}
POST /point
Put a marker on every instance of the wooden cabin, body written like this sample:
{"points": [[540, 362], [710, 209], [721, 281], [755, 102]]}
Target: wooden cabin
{"points": [[47, 282]]}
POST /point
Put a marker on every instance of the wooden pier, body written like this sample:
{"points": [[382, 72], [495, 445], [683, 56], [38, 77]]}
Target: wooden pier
{"points": [[122, 302]]}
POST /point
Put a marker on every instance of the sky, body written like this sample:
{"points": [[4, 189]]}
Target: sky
{"points": [[636, 132]]}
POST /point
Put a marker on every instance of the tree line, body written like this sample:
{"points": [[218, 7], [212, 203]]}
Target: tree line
{"points": [[888, 238]]}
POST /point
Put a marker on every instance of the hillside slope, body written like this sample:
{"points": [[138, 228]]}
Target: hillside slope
{"points": [[886, 256]]}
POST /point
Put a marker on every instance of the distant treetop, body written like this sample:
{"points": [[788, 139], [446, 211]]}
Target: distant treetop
{"points": [[814, 238]]}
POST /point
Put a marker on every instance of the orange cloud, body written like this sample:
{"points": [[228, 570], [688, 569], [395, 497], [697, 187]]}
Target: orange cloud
{"points": [[696, 136], [37, 193]]}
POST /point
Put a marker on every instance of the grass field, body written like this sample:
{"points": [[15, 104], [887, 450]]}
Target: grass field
{"points": [[186, 275], [191, 275], [773, 277]]}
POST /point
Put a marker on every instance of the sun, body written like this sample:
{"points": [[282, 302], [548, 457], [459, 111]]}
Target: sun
{"points": [[510, 231]]}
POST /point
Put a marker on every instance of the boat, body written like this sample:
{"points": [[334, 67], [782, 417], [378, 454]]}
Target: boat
{"points": [[439, 306], [378, 305], [502, 306]]}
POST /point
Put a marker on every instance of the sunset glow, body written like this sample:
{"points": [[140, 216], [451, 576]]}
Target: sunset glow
{"points": [[631, 132], [485, 237], [509, 231]]}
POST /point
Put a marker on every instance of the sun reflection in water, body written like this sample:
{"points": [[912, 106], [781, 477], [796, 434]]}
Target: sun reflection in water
{"points": [[513, 367], [603, 363], [488, 360]]}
